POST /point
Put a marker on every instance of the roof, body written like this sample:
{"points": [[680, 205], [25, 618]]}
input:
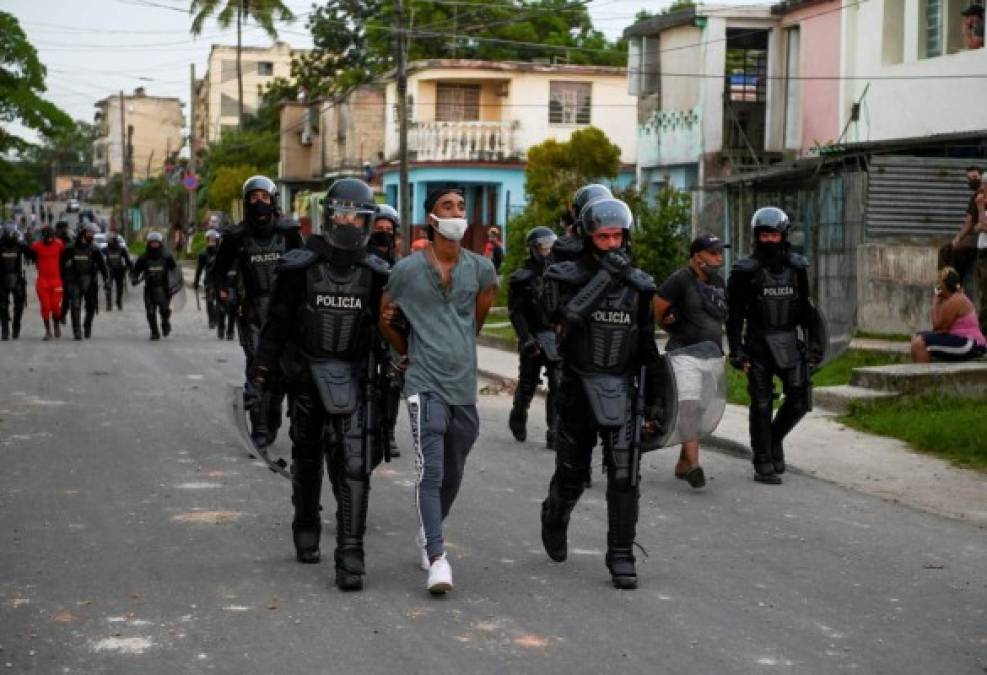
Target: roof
{"points": [[786, 6], [131, 97], [512, 66], [657, 24]]}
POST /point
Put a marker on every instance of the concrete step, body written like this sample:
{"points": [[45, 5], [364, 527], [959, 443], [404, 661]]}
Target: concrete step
{"points": [[837, 399], [968, 378]]}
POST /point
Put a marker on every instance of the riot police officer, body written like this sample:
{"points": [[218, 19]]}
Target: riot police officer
{"points": [[80, 264], [570, 245], [768, 301], [119, 263], [253, 248], [63, 232], [535, 333], [202, 265], [13, 285], [602, 304], [387, 223], [320, 331], [155, 266]]}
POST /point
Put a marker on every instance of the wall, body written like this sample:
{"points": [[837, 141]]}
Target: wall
{"points": [[895, 290], [295, 158], [906, 108], [352, 132], [158, 130]]}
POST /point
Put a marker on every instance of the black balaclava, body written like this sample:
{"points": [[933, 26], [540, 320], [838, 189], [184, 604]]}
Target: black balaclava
{"points": [[770, 253], [154, 252], [260, 217]]}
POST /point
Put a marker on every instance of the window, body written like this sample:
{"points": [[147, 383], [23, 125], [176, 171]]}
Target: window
{"points": [[227, 70], [457, 102], [793, 89], [265, 68], [893, 37], [650, 65], [941, 27], [932, 26], [569, 102], [228, 106]]}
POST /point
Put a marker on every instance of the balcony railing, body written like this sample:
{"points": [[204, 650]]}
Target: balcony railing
{"points": [[441, 141]]}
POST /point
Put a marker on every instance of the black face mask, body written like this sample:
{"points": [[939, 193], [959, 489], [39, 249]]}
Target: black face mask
{"points": [[382, 240], [347, 238], [261, 214], [154, 251], [973, 183], [769, 253]]}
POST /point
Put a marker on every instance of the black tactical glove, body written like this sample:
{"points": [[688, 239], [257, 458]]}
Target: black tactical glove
{"points": [[616, 263], [530, 347]]}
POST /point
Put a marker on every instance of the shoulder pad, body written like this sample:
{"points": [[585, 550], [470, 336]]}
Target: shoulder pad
{"points": [[296, 259], [568, 272], [232, 231], [522, 276], [287, 224], [640, 280], [798, 261], [376, 264], [746, 265]]}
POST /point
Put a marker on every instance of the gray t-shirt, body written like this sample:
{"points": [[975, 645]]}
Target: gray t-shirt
{"points": [[695, 323], [442, 344]]}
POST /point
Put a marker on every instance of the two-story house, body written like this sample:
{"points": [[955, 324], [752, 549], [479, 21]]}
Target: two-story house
{"points": [[472, 122], [153, 131]]}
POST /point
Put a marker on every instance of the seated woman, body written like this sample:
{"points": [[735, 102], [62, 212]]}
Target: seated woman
{"points": [[955, 334]]}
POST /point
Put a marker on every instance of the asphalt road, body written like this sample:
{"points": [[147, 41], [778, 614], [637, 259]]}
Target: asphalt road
{"points": [[139, 537]]}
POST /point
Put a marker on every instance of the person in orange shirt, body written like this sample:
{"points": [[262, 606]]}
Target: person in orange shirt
{"points": [[48, 253]]}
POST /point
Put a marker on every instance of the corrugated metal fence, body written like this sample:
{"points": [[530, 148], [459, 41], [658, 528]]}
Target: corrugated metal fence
{"points": [[916, 196]]}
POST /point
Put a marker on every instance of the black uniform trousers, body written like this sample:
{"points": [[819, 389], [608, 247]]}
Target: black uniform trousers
{"points": [[116, 281], [15, 294], [529, 377], [767, 434], [157, 301], [335, 441], [577, 434], [82, 295], [267, 415]]}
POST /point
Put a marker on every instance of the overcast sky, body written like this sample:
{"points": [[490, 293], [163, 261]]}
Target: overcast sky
{"points": [[95, 48]]}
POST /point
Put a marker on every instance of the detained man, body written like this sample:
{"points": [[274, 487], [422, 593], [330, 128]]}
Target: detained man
{"points": [[434, 305]]}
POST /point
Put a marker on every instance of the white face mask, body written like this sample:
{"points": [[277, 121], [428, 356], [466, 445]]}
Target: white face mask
{"points": [[450, 228]]}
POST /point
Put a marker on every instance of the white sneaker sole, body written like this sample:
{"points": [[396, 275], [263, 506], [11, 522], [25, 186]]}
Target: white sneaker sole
{"points": [[440, 588]]}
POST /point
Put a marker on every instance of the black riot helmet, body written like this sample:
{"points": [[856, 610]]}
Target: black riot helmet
{"points": [[260, 215], [586, 195], [770, 219], [388, 212], [155, 241], [381, 241], [540, 239], [604, 213], [349, 211]]}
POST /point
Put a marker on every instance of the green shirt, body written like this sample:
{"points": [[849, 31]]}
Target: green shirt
{"points": [[442, 344]]}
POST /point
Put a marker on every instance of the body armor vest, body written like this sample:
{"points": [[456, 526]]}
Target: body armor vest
{"points": [[607, 341], [81, 268], [10, 265], [257, 263], [337, 316], [156, 274], [114, 259], [777, 299]]}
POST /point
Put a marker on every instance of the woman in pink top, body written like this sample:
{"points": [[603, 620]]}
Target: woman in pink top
{"points": [[955, 334]]}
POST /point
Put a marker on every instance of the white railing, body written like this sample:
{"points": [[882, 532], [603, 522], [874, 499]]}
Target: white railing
{"points": [[437, 141]]}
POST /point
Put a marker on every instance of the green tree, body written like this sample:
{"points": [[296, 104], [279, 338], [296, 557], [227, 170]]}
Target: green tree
{"points": [[165, 193], [264, 12], [226, 187], [22, 81], [662, 223], [355, 39]]}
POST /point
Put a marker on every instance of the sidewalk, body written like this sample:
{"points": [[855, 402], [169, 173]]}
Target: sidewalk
{"points": [[822, 447]]}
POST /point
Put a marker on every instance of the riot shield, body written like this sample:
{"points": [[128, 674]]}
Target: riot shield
{"points": [[834, 339], [176, 288], [693, 397], [238, 411]]}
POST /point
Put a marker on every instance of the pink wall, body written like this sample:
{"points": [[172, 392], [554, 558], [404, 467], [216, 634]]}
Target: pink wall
{"points": [[819, 29]]}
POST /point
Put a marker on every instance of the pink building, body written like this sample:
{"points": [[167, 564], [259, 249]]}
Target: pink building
{"points": [[806, 66]]}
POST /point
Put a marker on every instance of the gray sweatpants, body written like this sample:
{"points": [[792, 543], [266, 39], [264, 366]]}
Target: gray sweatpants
{"points": [[443, 436]]}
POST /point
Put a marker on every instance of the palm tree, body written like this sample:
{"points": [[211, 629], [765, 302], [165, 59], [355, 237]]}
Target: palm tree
{"points": [[261, 11]]}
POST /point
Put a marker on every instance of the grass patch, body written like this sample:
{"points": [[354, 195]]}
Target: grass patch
{"points": [[836, 372], [890, 337], [948, 427], [502, 332]]}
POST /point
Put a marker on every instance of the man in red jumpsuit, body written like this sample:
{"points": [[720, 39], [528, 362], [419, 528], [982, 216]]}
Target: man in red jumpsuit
{"points": [[48, 252]]}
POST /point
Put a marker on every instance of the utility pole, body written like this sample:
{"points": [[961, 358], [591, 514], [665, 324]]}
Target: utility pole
{"points": [[239, 69], [124, 180], [191, 143], [404, 199]]}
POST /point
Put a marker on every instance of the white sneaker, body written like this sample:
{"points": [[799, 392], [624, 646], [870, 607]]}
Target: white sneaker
{"points": [[422, 553], [439, 576]]}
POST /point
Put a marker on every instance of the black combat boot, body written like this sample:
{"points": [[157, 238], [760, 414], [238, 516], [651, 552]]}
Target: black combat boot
{"points": [[764, 470], [306, 494], [778, 457], [58, 329], [165, 327], [16, 328], [87, 329], [4, 329], [352, 499], [622, 512], [48, 329], [555, 512]]}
